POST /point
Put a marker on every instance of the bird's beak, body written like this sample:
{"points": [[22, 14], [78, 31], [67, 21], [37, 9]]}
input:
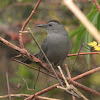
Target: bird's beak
{"points": [[41, 25]]}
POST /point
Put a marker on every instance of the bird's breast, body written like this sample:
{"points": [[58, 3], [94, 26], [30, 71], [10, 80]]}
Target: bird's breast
{"points": [[58, 46]]}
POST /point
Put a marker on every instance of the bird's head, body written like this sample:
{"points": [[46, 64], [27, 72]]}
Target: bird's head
{"points": [[52, 26]]}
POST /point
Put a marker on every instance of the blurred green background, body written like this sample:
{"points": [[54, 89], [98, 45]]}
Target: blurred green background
{"points": [[13, 14]]}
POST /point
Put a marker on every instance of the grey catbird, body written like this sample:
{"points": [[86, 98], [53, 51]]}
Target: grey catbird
{"points": [[56, 45]]}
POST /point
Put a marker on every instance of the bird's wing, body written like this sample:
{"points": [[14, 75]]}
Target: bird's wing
{"points": [[44, 48], [39, 54]]}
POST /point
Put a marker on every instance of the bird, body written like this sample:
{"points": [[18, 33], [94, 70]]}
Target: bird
{"points": [[56, 44]]}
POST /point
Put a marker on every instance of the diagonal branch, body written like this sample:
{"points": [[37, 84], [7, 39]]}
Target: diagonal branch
{"points": [[85, 53], [97, 5], [82, 18], [26, 22]]}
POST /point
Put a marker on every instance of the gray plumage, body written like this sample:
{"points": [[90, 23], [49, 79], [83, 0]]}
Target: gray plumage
{"points": [[56, 45]]}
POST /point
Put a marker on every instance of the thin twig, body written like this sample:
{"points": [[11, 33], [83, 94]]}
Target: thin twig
{"points": [[97, 5], [8, 85], [37, 78], [68, 87], [76, 56], [27, 95], [26, 22], [85, 53], [33, 68], [68, 74], [86, 73], [27, 86], [67, 70]]}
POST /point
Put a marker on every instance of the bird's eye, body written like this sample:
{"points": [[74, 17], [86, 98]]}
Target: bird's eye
{"points": [[50, 25]]}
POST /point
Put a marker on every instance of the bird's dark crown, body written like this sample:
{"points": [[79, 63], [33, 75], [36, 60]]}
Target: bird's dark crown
{"points": [[54, 21]]}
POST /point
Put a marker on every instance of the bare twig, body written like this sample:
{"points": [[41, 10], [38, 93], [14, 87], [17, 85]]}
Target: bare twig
{"points": [[26, 22], [83, 87], [67, 85], [85, 53], [27, 95], [69, 76], [37, 78], [27, 86], [77, 12], [8, 85], [33, 68], [76, 57], [67, 70], [97, 5], [86, 73], [68, 88]]}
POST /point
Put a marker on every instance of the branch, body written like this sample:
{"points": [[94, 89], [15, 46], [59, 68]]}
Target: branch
{"points": [[8, 85], [85, 53], [33, 68], [26, 22], [24, 53], [86, 73], [27, 95], [97, 5]]}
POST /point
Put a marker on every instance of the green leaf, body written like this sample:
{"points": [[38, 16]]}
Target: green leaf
{"points": [[76, 31], [78, 42], [82, 34], [98, 22], [88, 38]]}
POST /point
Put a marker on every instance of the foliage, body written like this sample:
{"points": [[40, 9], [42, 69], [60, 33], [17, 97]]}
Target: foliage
{"points": [[82, 35]]}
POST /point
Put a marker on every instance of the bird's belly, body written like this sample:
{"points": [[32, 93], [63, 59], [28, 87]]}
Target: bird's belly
{"points": [[57, 51]]}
